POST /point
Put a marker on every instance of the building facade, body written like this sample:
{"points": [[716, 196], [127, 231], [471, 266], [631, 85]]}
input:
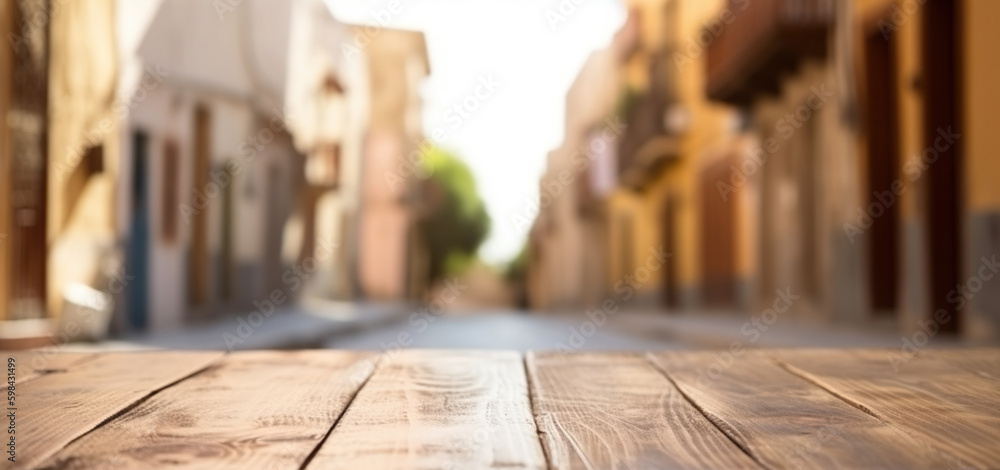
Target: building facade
{"points": [[836, 151], [179, 159], [644, 222], [392, 257], [568, 260], [876, 210]]}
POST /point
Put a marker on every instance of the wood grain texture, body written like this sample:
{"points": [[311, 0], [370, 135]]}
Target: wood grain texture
{"points": [[616, 411], [54, 409], [31, 365], [785, 421], [984, 362], [948, 408], [259, 410], [438, 410]]}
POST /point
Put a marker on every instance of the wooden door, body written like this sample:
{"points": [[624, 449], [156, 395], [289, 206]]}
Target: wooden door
{"points": [[27, 123], [941, 54], [882, 129], [717, 245], [669, 227], [198, 276]]}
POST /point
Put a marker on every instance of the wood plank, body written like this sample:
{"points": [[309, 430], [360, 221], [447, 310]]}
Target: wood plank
{"points": [[615, 410], [786, 421], [30, 365], [263, 409], [984, 362], [946, 407], [54, 409], [438, 409]]}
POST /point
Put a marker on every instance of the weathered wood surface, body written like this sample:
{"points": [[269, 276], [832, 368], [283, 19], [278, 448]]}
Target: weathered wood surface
{"points": [[438, 409], [252, 410], [54, 409], [983, 362], [31, 365], [618, 411], [784, 421], [950, 409], [473, 409]]}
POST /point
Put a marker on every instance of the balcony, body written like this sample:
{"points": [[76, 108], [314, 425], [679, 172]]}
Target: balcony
{"points": [[767, 39], [647, 144]]}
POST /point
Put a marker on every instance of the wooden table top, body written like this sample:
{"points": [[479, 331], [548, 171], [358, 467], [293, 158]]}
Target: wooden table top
{"points": [[498, 409]]}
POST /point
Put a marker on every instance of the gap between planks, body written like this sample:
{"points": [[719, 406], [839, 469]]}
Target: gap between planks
{"points": [[73, 395], [378, 359], [534, 415], [131, 406], [257, 409], [718, 423], [780, 418], [936, 399]]}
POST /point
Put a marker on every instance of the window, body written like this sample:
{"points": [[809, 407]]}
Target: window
{"points": [[168, 223]]}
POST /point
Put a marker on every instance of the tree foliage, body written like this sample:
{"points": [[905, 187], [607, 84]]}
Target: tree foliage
{"points": [[455, 222]]}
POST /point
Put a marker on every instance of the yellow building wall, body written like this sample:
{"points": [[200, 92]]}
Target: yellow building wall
{"points": [[982, 101], [7, 26], [706, 138]]}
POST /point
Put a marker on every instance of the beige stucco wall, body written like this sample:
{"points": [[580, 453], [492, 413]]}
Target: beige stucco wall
{"points": [[83, 74], [389, 260]]}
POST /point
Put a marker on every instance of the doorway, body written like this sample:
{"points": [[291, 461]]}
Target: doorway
{"points": [[717, 243], [138, 248], [882, 127], [669, 227], [941, 59], [198, 280]]}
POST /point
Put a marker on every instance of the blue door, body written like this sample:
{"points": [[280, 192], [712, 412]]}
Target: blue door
{"points": [[138, 248]]}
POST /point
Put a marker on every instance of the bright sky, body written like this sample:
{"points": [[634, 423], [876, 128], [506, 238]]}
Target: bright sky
{"points": [[533, 54]]}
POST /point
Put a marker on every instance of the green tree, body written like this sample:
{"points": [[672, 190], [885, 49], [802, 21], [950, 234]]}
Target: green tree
{"points": [[455, 221]]}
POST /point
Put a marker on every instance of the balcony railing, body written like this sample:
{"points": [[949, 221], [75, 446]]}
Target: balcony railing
{"points": [[765, 40], [647, 144]]}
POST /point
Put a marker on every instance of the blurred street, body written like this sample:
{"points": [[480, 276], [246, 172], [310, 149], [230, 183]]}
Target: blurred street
{"points": [[506, 329], [632, 331], [331, 173], [386, 327]]}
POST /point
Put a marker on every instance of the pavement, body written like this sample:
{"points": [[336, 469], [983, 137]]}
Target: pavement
{"points": [[718, 330], [501, 329], [369, 326], [626, 330], [306, 325]]}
